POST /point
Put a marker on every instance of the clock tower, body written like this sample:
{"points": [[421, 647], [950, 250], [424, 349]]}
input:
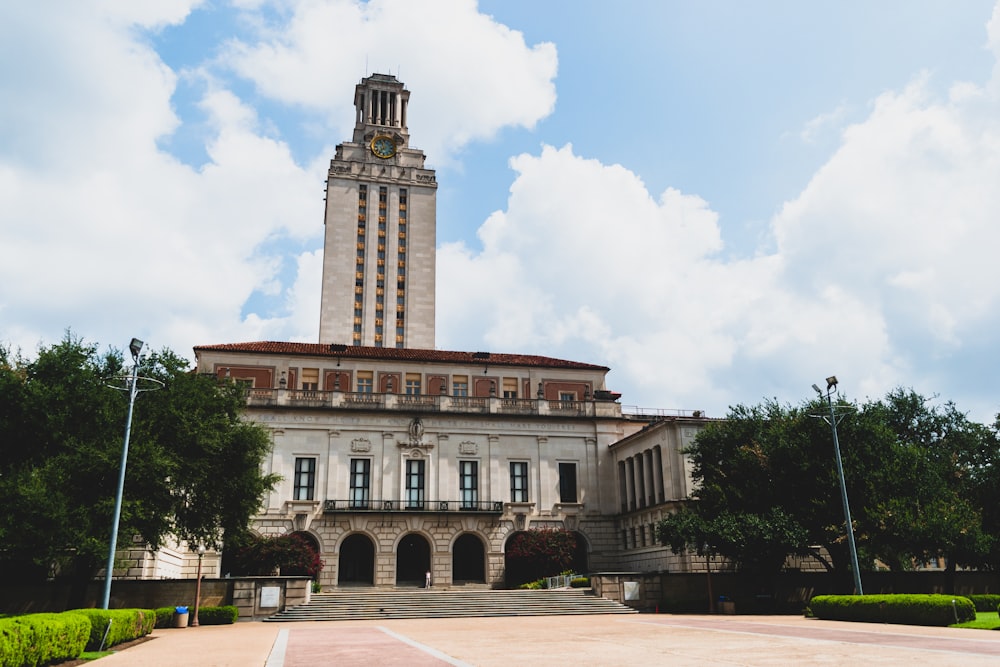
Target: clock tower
{"points": [[380, 218]]}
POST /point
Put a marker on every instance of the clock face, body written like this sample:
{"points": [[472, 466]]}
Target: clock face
{"points": [[383, 147]]}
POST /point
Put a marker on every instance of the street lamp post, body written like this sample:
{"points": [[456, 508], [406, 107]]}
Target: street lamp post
{"points": [[833, 419], [197, 588], [132, 387]]}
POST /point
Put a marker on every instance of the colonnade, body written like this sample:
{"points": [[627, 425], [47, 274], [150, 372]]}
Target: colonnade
{"points": [[383, 107], [640, 480]]}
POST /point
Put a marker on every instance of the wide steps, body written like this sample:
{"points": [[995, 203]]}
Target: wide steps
{"points": [[421, 603]]}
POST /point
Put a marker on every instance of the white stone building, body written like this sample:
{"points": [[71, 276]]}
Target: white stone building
{"points": [[398, 459]]}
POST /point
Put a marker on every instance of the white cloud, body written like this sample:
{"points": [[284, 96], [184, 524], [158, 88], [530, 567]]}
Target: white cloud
{"points": [[883, 263], [886, 259], [106, 233], [471, 75]]}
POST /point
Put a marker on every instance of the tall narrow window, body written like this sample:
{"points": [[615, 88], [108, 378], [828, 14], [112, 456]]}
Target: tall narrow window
{"points": [[413, 384], [510, 387], [415, 484], [460, 385], [310, 379], [567, 483], [365, 382], [361, 475], [468, 484], [518, 481], [305, 478]]}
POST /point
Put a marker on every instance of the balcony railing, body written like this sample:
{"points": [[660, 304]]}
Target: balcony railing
{"points": [[348, 400], [479, 506]]}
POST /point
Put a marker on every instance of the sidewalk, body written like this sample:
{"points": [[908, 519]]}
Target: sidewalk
{"points": [[577, 641]]}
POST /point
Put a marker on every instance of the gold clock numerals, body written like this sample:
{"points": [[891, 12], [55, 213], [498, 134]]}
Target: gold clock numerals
{"points": [[383, 146]]}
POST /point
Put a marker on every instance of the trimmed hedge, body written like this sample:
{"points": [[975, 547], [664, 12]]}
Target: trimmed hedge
{"points": [[940, 610], [580, 582], [985, 602], [206, 615], [126, 625], [226, 615], [40, 639]]}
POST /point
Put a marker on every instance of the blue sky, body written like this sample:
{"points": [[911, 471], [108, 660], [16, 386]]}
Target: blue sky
{"points": [[722, 201]]}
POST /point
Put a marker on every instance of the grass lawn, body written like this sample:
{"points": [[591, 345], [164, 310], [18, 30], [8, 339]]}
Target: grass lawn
{"points": [[985, 620]]}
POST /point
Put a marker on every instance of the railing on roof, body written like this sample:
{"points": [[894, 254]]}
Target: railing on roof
{"points": [[636, 411], [297, 398], [411, 505]]}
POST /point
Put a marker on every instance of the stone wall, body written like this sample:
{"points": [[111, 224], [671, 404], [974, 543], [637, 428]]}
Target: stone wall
{"points": [[783, 593], [244, 592]]}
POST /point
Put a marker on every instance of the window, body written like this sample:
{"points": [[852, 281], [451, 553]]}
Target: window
{"points": [[415, 484], [510, 387], [468, 483], [365, 382], [361, 475], [567, 482], [518, 481], [305, 478], [310, 379], [567, 396], [413, 384], [460, 385]]}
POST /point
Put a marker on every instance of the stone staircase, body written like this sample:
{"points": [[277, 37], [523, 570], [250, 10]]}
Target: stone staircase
{"points": [[369, 604]]}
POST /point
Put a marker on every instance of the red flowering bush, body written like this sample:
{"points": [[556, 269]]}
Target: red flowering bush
{"points": [[293, 554], [533, 554]]}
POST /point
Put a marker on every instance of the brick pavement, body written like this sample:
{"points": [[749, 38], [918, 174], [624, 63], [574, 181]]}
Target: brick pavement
{"points": [[577, 641]]}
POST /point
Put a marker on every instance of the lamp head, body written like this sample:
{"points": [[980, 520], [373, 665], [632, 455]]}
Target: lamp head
{"points": [[831, 382], [817, 390], [135, 347]]}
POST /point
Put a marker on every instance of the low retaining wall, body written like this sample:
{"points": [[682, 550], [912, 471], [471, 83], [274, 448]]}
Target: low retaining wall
{"points": [[783, 593], [255, 597]]}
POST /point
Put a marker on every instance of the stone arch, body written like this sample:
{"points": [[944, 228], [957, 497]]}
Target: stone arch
{"points": [[468, 559], [517, 572], [581, 555], [356, 563], [413, 559]]}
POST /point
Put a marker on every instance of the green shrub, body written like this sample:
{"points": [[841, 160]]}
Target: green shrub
{"points": [[41, 639], [206, 615], [164, 616], [218, 615], [939, 610], [126, 625], [579, 582], [535, 585], [985, 602]]}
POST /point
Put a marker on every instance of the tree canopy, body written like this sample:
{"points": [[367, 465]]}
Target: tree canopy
{"points": [[194, 465], [921, 482]]}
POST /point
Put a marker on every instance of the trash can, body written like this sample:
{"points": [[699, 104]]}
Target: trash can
{"points": [[180, 617]]}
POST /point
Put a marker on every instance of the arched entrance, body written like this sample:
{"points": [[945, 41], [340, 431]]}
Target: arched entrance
{"points": [[526, 557], [413, 560], [356, 566], [468, 559], [581, 563]]}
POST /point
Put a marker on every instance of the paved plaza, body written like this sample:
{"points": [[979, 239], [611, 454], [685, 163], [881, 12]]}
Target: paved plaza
{"points": [[580, 641]]}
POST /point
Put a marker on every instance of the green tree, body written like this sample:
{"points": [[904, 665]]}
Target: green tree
{"points": [[194, 465], [917, 479], [537, 553]]}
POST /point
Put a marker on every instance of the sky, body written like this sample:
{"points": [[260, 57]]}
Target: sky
{"points": [[724, 202]]}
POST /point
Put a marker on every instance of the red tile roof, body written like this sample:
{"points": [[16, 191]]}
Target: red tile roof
{"points": [[391, 353]]}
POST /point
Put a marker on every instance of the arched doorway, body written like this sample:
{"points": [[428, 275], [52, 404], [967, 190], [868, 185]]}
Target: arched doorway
{"points": [[581, 562], [468, 559], [526, 558], [356, 566], [413, 560]]}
